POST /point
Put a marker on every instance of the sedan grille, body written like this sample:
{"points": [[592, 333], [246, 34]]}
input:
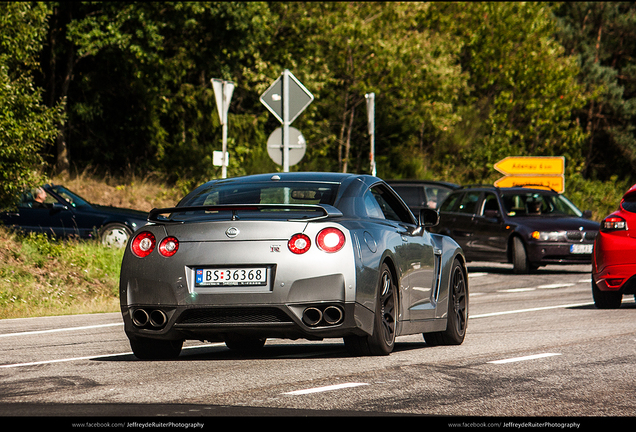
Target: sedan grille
{"points": [[234, 316], [581, 235]]}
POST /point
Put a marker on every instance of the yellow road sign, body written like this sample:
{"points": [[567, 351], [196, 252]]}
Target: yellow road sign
{"points": [[557, 183], [531, 165]]}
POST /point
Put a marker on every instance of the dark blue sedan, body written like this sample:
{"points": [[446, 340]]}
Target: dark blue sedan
{"points": [[55, 210]]}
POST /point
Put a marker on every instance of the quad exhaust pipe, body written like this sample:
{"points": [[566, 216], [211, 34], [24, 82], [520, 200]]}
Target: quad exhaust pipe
{"points": [[156, 318], [330, 315]]}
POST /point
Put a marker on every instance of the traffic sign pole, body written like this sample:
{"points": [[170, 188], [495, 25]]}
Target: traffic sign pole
{"points": [[223, 92], [286, 98], [286, 120], [370, 97]]}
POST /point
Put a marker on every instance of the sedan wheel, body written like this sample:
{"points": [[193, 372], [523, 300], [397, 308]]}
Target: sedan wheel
{"points": [[606, 299], [115, 235], [457, 311], [382, 341], [519, 257]]}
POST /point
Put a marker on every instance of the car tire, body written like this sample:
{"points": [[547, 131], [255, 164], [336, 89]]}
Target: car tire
{"points": [[520, 264], [245, 344], [115, 235], [457, 311], [606, 299], [382, 341], [153, 349]]}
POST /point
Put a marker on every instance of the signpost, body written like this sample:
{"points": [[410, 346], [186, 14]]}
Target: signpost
{"points": [[370, 97], [223, 93], [286, 98], [545, 171]]}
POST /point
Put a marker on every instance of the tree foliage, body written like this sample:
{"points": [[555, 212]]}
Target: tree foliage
{"points": [[602, 36], [458, 86], [523, 86], [26, 125]]}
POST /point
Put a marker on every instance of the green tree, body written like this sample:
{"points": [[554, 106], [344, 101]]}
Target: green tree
{"points": [[603, 37], [137, 80], [523, 86], [26, 125], [342, 51]]}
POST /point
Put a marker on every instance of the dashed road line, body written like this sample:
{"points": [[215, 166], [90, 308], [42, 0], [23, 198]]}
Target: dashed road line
{"points": [[324, 389], [524, 358], [7, 366], [60, 330], [531, 310]]}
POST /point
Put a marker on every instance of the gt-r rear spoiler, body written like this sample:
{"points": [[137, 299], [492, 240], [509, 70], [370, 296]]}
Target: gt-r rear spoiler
{"points": [[328, 211]]}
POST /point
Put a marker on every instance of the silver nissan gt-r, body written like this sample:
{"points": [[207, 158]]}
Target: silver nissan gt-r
{"points": [[293, 255]]}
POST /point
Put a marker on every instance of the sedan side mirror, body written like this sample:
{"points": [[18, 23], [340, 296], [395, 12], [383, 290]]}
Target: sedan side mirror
{"points": [[492, 214], [429, 217], [587, 214]]}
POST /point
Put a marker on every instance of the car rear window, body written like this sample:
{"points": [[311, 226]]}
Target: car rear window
{"points": [[275, 200], [629, 204], [264, 193]]}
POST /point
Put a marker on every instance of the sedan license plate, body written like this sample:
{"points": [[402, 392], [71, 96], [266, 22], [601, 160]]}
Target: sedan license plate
{"points": [[237, 276], [581, 248]]}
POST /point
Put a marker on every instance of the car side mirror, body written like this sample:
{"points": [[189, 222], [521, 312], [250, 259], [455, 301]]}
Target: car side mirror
{"points": [[492, 214], [429, 217], [57, 207], [587, 214]]}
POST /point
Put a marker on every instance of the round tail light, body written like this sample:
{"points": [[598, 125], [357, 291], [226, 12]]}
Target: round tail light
{"points": [[143, 244], [299, 243], [330, 240], [169, 246]]}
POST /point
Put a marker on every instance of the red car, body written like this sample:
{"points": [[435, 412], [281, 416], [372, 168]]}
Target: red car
{"points": [[614, 260]]}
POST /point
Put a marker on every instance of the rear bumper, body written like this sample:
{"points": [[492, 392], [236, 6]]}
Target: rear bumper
{"points": [[313, 321], [617, 278]]}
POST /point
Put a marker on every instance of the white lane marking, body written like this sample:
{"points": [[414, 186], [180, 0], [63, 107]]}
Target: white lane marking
{"points": [[530, 310], [91, 357], [550, 286], [324, 389], [555, 286], [476, 274], [514, 290], [530, 357], [61, 330], [59, 360]]}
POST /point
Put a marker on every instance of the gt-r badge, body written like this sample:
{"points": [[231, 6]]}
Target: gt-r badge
{"points": [[232, 232]]}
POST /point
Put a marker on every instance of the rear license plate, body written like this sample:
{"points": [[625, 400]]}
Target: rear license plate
{"points": [[581, 248], [236, 276]]}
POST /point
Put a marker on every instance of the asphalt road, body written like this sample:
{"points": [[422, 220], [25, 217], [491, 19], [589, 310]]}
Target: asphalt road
{"points": [[536, 348]]}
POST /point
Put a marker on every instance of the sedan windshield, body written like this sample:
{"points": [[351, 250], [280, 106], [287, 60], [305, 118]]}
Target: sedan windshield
{"points": [[70, 197], [537, 203]]}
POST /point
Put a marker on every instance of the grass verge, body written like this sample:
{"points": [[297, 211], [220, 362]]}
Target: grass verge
{"points": [[40, 276]]}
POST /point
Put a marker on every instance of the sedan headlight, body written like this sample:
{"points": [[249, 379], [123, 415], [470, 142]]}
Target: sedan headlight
{"points": [[549, 235]]}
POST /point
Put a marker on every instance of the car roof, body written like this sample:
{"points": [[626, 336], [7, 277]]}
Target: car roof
{"points": [[293, 176], [516, 189], [423, 182]]}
